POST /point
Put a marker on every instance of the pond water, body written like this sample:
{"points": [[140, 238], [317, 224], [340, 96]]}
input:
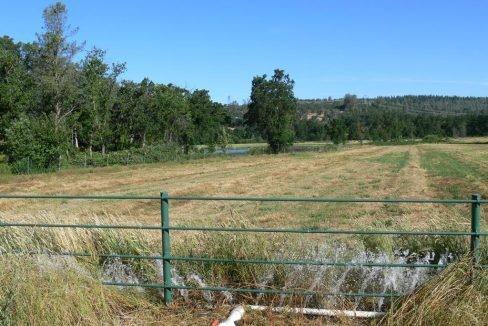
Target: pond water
{"points": [[233, 151]]}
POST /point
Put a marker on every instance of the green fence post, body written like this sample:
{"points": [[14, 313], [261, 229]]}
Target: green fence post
{"points": [[475, 228], [168, 294]]}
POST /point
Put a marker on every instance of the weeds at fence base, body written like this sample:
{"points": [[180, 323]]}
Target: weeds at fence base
{"points": [[457, 296], [61, 297], [64, 297]]}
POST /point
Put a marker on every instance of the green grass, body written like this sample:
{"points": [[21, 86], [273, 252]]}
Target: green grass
{"points": [[442, 164], [4, 168], [453, 175], [396, 161]]}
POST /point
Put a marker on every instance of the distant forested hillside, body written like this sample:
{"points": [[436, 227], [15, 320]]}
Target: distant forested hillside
{"points": [[383, 118], [429, 104]]}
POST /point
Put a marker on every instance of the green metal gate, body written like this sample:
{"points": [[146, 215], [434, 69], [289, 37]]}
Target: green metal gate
{"points": [[165, 227]]}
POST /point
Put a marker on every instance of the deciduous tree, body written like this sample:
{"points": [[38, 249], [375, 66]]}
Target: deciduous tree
{"points": [[272, 109]]}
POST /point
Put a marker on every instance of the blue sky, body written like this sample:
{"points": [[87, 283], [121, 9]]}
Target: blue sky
{"points": [[330, 48]]}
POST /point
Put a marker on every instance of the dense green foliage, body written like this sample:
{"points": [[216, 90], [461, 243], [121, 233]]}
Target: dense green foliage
{"points": [[134, 155], [394, 118], [272, 109], [34, 144], [385, 118], [43, 88], [380, 124]]}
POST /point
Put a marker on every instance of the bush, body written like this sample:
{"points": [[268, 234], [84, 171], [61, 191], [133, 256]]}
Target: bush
{"points": [[433, 139], [148, 154], [34, 144], [338, 131]]}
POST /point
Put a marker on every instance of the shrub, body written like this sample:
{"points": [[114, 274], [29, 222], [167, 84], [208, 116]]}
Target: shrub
{"points": [[433, 139], [148, 154], [34, 144]]}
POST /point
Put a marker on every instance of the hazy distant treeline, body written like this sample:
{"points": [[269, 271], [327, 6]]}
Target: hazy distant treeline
{"points": [[383, 118]]}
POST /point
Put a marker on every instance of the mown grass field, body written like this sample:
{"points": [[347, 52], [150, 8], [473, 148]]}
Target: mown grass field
{"points": [[367, 171], [417, 171]]}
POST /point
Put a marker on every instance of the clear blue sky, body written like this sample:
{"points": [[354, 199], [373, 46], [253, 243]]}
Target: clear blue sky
{"points": [[377, 47]]}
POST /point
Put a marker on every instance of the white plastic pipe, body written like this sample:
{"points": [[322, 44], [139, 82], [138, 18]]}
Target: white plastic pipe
{"points": [[235, 315], [238, 312], [322, 312]]}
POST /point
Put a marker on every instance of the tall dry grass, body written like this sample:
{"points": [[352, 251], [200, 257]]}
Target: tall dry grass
{"points": [[458, 296], [46, 289], [43, 291]]}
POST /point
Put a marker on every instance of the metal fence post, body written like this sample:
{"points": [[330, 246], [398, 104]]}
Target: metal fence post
{"points": [[166, 249], [475, 228]]}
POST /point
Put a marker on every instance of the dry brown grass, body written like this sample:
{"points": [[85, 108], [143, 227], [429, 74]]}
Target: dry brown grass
{"points": [[357, 171], [458, 296]]}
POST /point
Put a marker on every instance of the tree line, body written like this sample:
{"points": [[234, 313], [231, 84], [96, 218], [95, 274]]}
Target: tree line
{"points": [[381, 124], [54, 104], [51, 103], [380, 119]]}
